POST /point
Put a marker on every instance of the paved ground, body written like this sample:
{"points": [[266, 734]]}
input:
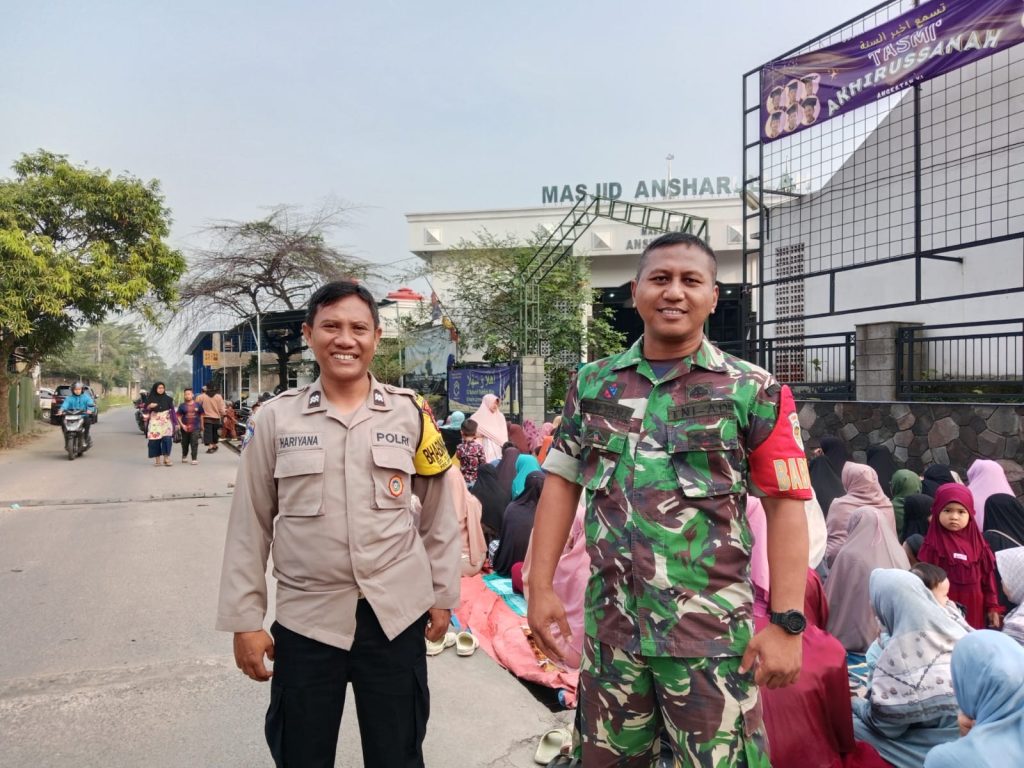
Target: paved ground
{"points": [[108, 579]]}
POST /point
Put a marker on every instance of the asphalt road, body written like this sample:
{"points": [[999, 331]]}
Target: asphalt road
{"points": [[108, 579]]}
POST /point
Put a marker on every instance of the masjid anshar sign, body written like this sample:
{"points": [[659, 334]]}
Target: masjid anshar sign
{"points": [[663, 189]]}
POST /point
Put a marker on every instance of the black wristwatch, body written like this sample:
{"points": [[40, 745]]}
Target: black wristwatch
{"points": [[793, 622]]}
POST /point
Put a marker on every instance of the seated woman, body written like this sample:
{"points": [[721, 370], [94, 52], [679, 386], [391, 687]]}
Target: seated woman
{"points": [[988, 677], [468, 511], [904, 483], [809, 723], [862, 490], [910, 706], [517, 526], [1010, 563], [917, 514], [870, 545]]}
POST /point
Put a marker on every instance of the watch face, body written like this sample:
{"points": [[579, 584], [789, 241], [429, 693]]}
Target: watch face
{"points": [[795, 622]]}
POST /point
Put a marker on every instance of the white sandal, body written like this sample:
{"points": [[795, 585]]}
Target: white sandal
{"points": [[466, 643]]}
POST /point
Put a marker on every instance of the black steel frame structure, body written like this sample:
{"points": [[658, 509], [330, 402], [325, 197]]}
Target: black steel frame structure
{"points": [[928, 244]]}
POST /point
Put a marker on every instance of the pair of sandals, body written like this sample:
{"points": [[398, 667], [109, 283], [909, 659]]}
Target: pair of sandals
{"points": [[465, 643], [550, 750]]}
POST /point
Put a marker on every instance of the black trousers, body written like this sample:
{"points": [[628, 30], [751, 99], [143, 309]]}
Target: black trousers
{"points": [[307, 696], [189, 442], [211, 431]]}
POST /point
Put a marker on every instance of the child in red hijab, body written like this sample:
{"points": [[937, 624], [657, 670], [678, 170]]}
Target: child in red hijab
{"points": [[955, 544]]}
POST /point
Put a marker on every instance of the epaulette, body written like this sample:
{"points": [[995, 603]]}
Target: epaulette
{"points": [[289, 393], [400, 391]]}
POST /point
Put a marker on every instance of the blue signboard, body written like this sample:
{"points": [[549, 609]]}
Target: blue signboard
{"points": [[468, 385]]}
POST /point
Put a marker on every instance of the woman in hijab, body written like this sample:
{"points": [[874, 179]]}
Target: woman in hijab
{"points": [[1004, 529], [934, 476], [1010, 563], [161, 421], [517, 436], [825, 481], [493, 499], [903, 483], [834, 449], [985, 478], [880, 459], [862, 490], [491, 426], [468, 511], [917, 511], [870, 545], [452, 431], [956, 546], [910, 706], [547, 436], [518, 525], [988, 678], [507, 468], [810, 723], [525, 464]]}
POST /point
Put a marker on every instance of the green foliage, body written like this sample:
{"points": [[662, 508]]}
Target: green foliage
{"points": [[108, 353], [486, 304], [76, 244]]}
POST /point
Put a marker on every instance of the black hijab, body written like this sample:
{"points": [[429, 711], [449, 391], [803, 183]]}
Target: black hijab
{"points": [[934, 476], [163, 402], [835, 451], [917, 510], [827, 484], [1004, 522], [492, 500], [507, 469], [518, 525], [881, 460]]}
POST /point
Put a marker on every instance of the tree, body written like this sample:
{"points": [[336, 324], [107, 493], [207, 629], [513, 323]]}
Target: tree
{"points": [[109, 353], [271, 264], [485, 302], [76, 244]]}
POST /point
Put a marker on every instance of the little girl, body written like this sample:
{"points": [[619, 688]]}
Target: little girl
{"points": [[955, 544]]}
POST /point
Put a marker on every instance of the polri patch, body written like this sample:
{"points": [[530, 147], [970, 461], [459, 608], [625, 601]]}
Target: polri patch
{"points": [[395, 486], [296, 442], [391, 438], [314, 399]]}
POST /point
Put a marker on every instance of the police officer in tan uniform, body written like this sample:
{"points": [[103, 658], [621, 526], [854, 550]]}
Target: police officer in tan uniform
{"points": [[326, 485]]}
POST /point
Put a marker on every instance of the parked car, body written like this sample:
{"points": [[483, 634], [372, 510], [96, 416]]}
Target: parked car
{"points": [[62, 391], [45, 401]]}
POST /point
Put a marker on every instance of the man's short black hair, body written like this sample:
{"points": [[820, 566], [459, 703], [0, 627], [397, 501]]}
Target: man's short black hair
{"points": [[810, 101], [792, 109], [776, 91], [677, 238], [793, 85], [187, 389], [332, 292]]}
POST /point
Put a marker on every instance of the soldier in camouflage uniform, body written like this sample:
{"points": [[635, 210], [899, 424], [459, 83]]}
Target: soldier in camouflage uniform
{"points": [[666, 438]]}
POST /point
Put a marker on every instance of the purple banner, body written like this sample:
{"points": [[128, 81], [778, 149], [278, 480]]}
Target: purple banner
{"points": [[929, 41]]}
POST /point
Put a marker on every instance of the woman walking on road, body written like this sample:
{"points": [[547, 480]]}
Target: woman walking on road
{"points": [[161, 421]]}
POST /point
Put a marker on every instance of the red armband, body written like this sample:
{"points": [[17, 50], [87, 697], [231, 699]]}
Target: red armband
{"points": [[778, 466]]}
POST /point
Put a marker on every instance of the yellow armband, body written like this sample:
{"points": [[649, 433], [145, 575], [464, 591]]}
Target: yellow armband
{"points": [[431, 454]]}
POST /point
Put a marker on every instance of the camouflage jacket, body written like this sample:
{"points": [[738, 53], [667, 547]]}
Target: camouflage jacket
{"points": [[665, 464]]}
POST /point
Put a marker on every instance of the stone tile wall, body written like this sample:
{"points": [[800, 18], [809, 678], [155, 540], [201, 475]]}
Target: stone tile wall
{"points": [[919, 434]]}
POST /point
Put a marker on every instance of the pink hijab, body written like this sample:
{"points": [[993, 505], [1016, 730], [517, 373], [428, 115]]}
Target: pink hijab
{"points": [[862, 490], [491, 428], [985, 478], [569, 582], [468, 511]]}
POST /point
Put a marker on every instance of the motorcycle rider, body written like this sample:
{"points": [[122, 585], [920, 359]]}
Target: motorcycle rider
{"points": [[80, 400]]}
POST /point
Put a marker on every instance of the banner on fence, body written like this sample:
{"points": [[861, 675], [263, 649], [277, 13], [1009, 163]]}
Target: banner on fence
{"points": [[923, 43], [468, 385]]}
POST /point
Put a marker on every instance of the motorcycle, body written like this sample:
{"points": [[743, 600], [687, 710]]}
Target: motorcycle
{"points": [[72, 424], [140, 410]]}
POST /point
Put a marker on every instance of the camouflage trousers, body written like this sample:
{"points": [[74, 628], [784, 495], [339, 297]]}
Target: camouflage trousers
{"points": [[709, 711]]}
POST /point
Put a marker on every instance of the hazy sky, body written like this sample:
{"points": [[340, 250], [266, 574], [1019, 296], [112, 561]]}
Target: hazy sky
{"points": [[394, 107]]}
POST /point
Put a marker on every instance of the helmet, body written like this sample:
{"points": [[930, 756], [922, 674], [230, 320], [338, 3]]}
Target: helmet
{"points": [[78, 385]]}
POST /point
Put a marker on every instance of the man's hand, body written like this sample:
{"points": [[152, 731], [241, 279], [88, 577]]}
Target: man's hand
{"points": [[250, 648], [437, 623], [777, 655], [543, 611]]}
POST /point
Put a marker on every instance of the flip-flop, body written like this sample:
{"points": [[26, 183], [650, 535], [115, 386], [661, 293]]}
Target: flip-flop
{"points": [[466, 643], [551, 744], [434, 647]]}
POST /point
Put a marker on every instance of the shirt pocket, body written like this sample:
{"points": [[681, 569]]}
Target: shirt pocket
{"points": [[392, 472], [705, 454], [300, 483], [600, 450]]}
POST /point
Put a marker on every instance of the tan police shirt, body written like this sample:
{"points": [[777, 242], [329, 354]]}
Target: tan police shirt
{"points": [[330, 495]]}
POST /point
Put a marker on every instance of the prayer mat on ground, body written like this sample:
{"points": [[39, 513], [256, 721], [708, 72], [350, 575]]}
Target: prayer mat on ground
{"points": [[505, 637], [502, 585]]}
